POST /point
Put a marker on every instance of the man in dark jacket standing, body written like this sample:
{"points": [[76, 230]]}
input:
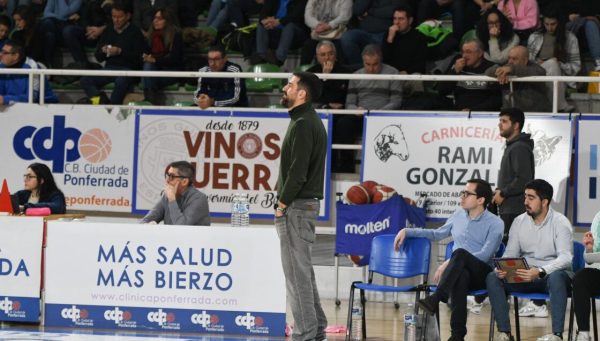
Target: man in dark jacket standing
{"points": [[517, 167], [299, 190]]}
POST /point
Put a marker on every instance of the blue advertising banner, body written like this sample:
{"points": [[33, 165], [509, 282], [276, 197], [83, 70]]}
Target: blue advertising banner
{"points": [[19, 309], [357, 225], [166, 319]]}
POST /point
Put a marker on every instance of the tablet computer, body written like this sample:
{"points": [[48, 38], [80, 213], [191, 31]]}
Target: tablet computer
{"points": [[511, 265]]}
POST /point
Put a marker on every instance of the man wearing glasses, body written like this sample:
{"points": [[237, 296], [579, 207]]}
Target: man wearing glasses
{"points": [[180, 202], [15, 88], [220, 92], [477, 234]]}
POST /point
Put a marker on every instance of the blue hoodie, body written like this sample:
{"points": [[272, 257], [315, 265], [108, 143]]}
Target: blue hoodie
{"points": [[15, 88]]}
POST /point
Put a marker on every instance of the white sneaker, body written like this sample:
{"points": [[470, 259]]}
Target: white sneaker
{"points": [[499, 336], [475, 308], [583, 336], [533, 310], [549, 337]]}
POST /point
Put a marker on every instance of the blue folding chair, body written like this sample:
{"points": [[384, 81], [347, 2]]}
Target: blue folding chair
{"points": [[411, 260], [578, 263]]}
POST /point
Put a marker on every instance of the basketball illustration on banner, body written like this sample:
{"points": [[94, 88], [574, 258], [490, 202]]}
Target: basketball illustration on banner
{"points": [[95, 145]]}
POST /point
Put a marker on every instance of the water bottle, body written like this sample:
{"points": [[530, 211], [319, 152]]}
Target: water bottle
{"points": [[357, 313], [410, 324], [235, 210], [244, 210]]}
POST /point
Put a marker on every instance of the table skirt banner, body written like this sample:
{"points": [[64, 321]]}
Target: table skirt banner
{"points": [[177, 278], [587, 159], [88, 149], [20, 268], [233, 152], [437, 154]]}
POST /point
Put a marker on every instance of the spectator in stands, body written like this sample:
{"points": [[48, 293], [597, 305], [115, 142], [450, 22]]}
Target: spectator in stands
{"points": [[25, 32], [220, 92], [526, 96], [121, 46], [524, 15], [58, 15], [4, 29], [327, 20], [95, 15], [239, 10], [473, 95], [585, 283], [583, 17], [465, 13], [40, 190], [366, 94], [371, 94], [497, 36], [544, 238], [282, 27], [400, 39], [8, 7], [218, 13], [188, 11], [143, 11], [15, 88], [333, 96], [165, 53], [334, 91], [557, 51], [374, 18], [180, 202]]}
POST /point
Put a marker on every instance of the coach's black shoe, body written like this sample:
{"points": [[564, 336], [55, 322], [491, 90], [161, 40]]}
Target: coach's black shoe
{"points": [[429, 304]]}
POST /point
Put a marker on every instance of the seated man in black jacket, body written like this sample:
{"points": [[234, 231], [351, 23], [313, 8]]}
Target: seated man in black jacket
{"points": [[473, 95], [220, 92], [121, 45]]}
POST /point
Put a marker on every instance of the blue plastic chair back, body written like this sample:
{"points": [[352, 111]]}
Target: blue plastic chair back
{"points": [[450, 245], [411, 260], [578, 261]]}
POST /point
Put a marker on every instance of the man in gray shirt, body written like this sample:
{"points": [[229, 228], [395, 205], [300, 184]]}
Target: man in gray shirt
{"points": [[544, 238], [180, 203]]}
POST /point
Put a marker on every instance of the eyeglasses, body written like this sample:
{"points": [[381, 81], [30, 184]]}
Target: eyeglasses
{"points": [[7, 52], [215, 60], [493, 23], [171, 176], [29, 176], [465, 194]]}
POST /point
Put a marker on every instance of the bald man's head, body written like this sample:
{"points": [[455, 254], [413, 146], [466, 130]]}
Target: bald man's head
{"points": [[518, 55]]}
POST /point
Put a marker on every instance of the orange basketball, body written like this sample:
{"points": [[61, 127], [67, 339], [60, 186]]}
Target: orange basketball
{"points": [[95, 145], [371, 187], [409, 201], [383, 193], [355, 259], [357, 195]]}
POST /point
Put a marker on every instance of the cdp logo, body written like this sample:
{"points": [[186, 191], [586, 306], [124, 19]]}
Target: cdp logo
{"points": [[249, 321], [117, 315], [160, 317], [60, 144], [202, 319], [74, 313], [6, 305]]}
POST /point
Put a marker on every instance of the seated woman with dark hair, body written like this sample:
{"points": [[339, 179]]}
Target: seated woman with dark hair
{"points": [[496, 34], [40, 190], [164, 53]]}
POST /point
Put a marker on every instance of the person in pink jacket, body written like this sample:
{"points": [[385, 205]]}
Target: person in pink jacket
{"points": [[524, 15]]}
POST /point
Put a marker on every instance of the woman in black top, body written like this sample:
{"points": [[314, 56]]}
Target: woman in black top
{"points": [[40, 190]]}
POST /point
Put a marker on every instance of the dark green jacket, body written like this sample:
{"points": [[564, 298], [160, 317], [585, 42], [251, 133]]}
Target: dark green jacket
{"points": [[302, 164]]}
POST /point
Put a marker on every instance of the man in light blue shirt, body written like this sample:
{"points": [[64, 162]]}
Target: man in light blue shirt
{"points": [[544, 238], [477, 234]]}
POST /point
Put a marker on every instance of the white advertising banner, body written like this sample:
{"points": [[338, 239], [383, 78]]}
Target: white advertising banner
{"points": [[233, 152], [437, 154], [20, 268], [587, 194], [216, 279], [89, 151]]}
